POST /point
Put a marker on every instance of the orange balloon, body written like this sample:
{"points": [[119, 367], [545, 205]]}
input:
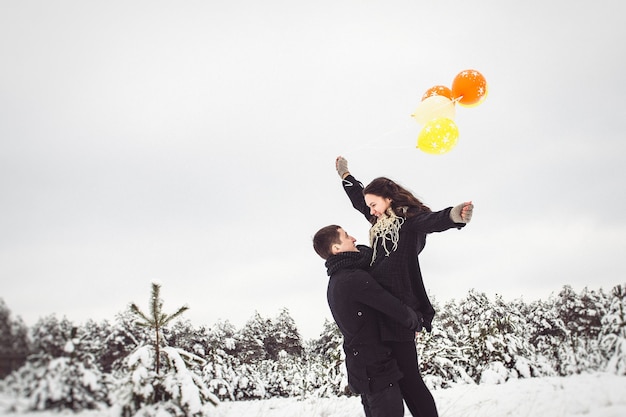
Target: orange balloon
{"points": [[479, 100], [469, 87], [438, 90]]}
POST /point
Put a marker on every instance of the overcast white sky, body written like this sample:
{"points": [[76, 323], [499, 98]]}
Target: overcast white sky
{"points": [[193, 143]]}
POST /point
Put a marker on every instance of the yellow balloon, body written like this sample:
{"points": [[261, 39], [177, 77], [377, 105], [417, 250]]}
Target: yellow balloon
{"points": [[438, 136], [434, 107]]}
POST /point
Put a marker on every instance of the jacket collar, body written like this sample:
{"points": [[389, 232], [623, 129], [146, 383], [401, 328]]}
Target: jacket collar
{"points": [[349, 260]]}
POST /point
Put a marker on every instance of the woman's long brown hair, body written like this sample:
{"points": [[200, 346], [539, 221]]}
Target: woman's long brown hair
{"points": [[399, 196]]}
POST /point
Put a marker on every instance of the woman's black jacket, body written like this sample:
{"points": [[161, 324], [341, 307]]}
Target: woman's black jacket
{"points": [[399, 272]]}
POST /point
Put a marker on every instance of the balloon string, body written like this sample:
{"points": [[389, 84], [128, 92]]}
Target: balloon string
{"points": [[376, 143]]}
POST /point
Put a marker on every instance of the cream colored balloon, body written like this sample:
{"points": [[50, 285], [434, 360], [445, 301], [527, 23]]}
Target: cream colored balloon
{"points": [[434, 107]]}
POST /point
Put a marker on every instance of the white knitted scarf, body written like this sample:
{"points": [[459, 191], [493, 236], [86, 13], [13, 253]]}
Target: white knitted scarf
{"points": [[387, 228]]}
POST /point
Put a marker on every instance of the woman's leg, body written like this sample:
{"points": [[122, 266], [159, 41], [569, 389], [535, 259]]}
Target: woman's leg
{"points": [[417, 397], [366, 406]]}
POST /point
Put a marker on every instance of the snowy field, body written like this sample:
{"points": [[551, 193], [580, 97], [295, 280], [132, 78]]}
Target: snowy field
{"points": [[589, 395]]}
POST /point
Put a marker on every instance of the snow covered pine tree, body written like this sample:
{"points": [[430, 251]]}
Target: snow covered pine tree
{"points": [[152, 387]]}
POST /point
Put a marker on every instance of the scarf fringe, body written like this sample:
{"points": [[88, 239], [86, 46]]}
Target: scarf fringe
{"points": [[386, 228]]}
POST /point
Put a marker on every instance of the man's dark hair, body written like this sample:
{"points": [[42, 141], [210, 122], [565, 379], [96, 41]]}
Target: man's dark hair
{"points": [[324, 239]]}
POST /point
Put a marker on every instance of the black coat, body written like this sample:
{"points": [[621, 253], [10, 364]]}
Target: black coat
{"points": [[399, 272], [357, 301]]}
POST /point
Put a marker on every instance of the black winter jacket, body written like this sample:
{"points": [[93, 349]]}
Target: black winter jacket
{"points": [[399, 272], [356, 301]]}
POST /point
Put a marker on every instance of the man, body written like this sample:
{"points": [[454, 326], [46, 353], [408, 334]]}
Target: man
{"points": [[356, 302]]}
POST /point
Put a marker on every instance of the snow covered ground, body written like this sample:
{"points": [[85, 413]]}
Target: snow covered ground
{"points": [[589, 395]]}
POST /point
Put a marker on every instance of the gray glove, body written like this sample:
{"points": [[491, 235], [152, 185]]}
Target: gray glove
{"points": [[455, 213], [341, 164]]}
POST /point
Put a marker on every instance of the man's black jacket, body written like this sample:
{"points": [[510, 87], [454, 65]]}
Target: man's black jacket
{"points": [[356, 301]]}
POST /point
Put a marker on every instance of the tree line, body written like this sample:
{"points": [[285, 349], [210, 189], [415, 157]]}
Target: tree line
{"points": [[154, 361]]}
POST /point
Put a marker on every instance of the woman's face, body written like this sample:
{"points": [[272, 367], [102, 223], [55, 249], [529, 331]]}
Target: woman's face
{"points": [[377, 204]]}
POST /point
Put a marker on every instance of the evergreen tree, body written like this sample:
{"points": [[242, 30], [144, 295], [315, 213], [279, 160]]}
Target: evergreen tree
{"points": [[318, 380], [97, 342], [220, 374], [581, 314], [225, 373], [613, 335], [248, 383], [49, 335], [497, 338], [523, 354], [69, 380], [187, 337], [548, 334], [123, 337], [14, 343], [251, 340], [156, 320], [283, 377], [222, 336], [474, 315], [150, 385], [329, 349], [283, 337], [442, 353]]}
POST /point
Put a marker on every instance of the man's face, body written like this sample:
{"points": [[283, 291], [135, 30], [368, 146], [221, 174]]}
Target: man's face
{"points": [[347, 243]]}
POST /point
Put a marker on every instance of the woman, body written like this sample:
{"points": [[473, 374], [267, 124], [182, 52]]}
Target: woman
{"points": [[400, 223]]}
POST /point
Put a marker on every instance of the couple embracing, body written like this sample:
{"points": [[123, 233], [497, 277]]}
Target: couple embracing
{"points": [[376, 293]]}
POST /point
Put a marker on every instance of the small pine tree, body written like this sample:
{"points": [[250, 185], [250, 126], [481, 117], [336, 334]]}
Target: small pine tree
{"points": [[123, 337], [613, 337], [220, 370], [14, 343], [69, 380], [283, 337], [496, 336], [185, 336], [156, 321], [549, 336], [283, 377], [157, 378], [49, 335], [329, 350], [219, 374], [442, 355], [248, 383], [251, 340], [222, 336], [582, 314]]}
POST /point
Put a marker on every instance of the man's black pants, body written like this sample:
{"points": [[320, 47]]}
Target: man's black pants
{"points": [[385, 403]]}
